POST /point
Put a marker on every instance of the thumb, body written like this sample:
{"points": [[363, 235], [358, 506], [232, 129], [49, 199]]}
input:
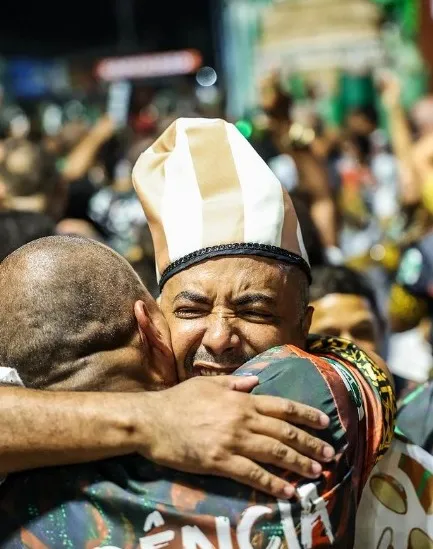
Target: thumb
{"points": [[236, 383]]}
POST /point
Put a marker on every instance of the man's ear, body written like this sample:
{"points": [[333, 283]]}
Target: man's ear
{"points": [[156, 343], [306, 323], [143, 321], [153, 327]]}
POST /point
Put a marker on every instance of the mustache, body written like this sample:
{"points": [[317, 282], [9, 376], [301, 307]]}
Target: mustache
{"points": [[228, 358]]}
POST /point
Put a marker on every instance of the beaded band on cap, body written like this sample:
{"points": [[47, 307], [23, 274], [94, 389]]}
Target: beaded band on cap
{"points": [[248, 248]]}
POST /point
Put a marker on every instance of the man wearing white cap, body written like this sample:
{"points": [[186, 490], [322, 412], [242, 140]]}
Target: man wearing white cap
{"points": [[230, 258]]}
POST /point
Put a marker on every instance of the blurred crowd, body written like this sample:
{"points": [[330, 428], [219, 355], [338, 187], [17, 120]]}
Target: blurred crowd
{"points": [[363, 193]]}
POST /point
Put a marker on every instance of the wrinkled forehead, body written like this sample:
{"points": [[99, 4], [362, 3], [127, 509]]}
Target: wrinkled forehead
{"points": [[228, 276]]}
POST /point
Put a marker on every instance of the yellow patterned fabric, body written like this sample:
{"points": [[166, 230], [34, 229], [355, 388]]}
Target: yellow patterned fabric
{"points": [[405, 307]]}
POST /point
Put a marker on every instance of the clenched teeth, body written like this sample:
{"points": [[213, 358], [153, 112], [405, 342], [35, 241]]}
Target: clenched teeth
{"points": [[205, 372]]}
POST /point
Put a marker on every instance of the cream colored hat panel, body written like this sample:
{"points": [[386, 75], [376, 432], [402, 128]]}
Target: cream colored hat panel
{"points": [[206, 192]]}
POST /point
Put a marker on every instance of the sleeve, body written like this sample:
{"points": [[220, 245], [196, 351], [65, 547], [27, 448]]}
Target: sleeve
{"points": [[415, 417], [374, 385], [328, 504], [9, 377]]}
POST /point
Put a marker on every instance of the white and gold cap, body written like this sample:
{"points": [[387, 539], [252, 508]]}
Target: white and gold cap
{"points": [[207, 193]]}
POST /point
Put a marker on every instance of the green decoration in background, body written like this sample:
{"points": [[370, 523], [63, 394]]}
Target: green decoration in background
{"points": [[242, 21], [296, 86], [330, 110], [405, 12], [245, 127], [356, 90]]}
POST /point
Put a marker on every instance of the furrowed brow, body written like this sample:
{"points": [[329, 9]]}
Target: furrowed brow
{"points": [[192, 296], [254, 299]]}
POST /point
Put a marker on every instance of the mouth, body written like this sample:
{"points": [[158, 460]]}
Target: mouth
{"points": [[214, 370]]}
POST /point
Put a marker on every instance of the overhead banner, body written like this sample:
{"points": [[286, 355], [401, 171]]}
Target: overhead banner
{"points": [[149, 65]]}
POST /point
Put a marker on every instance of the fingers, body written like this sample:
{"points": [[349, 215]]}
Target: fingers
{"points": [[264, 449], [249, 473], [293, 437], [236, 383], [290, 411]]}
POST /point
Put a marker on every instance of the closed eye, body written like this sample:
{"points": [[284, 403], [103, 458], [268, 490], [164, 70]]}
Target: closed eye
{"points": [[258, 316], [190, 312]]}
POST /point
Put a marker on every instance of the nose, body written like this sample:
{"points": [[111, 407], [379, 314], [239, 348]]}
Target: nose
{"points": [[220, 335]]}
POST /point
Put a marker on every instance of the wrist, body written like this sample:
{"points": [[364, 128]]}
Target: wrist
{"points": [[138, 422]]}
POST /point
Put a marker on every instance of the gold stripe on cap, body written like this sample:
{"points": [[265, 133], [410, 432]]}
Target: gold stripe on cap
{"points": [[150, 186], [218, 180], [149, 182]]}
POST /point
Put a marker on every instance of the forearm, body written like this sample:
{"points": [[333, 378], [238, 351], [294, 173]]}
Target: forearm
{"points": [[314, 181], [42, 428], [422, 153], [81, 158], [400, 134], [323, 215]]}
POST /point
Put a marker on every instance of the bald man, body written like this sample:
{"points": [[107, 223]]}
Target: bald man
{"points": [[82, 274], [60, 310]]}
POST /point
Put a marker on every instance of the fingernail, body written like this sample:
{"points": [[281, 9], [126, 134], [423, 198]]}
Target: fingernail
{"points": [[316, 468], [289, 491], [328, 452], [324, 420]]}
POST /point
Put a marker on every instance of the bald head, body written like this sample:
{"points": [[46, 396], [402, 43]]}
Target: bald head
{"points": [[67, 303]]}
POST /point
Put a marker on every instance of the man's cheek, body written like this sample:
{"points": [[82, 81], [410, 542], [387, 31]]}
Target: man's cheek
{"points": [[261, 337], [182, 338]]}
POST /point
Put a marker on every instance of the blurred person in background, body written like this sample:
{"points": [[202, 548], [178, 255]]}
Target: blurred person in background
{"points": [[28, 191], [411, 307], [412, 148], [411, 298], [312, 240], [116, 209], [28, 178], [345, 306], [83, 164], [20, 227], [303, 169]]}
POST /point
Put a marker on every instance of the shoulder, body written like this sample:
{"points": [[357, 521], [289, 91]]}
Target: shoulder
{"points": [[342, 380], [290, 373], [375, 384]]}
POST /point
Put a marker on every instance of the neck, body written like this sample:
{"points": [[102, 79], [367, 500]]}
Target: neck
{"points": [[118, 370]]}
